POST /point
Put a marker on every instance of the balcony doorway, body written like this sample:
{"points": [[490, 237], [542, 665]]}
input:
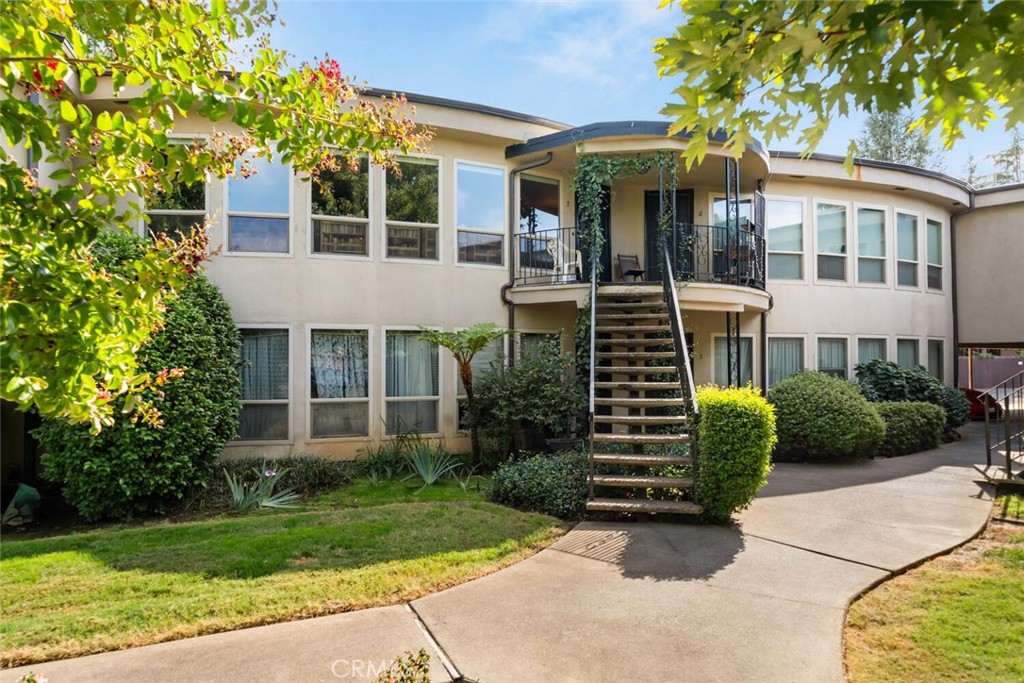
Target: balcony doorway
{"points": [[684, 216]]}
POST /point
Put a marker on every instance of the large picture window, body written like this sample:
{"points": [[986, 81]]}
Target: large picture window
{"points": [[176, 212], [480, 213], [831, 241], [412, 199], [785, 224], [340, 203], [259, 208], [870, 245], [339, 380], [785, 357], [906, 250], [746, 361], [265, 382], [411, 384], [934, 234], [832, 357]]}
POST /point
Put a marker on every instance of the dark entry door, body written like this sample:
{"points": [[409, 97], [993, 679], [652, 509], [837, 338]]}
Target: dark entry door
{"points": [[605, 258], [684, 216]]}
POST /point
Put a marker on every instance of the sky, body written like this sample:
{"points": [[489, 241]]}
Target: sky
{"points": [[570, 61]]}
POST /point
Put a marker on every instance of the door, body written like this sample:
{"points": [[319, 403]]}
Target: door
{"points": [[605, 258], [684, 216]]}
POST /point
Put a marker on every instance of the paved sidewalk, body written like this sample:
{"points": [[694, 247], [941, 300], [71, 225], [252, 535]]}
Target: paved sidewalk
{"points": [[761, 601]]}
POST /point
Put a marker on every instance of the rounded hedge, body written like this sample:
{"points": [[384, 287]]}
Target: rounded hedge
{"points": [[910, 426], [881, 380], [553, 484], [736, 433], [134, 469], [823, 417]]}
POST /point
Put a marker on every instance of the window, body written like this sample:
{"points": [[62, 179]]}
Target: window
{"points": [[258, 207], [340, 203], [480, 213], [907, 353], [411, 393], [831, 242], [480, 363], [746, 360], [339, 371], [531, 343], [785, 357], [538, 204], [265, 388], [176, 212], [785, 224], [934, 234], [906, 250], [718, 209], [832, 357], [869, 349], [412, 200], [870, 245], [936, 356]]}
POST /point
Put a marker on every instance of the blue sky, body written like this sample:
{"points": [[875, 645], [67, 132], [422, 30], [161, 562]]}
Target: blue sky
{"points": [[574, 62]]}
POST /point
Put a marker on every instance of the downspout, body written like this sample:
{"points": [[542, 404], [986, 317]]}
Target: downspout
{"points": [[953, 290], [512, 215]]}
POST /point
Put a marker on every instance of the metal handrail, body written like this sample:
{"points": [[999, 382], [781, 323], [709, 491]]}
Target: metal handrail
{"points": [[1009, 395], [593, 360], [683, 367]]}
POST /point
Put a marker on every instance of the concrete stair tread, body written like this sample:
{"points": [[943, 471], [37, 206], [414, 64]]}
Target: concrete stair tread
{"points": [[635, 355], [633, 342], [640, 459], [635, 369], [640, 386], [653, 482], [632, 329], [640, 402], [633, 316], [641, 438], [672, 507], [641, 420]]}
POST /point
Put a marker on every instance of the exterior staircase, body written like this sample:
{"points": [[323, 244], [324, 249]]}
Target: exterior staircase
{"points": [[641, 441]]}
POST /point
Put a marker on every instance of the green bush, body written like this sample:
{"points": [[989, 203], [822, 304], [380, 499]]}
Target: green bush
{"points": [[820, 416], [554, 484], [957, 409], [131, 468], [307, 475], [881, 380], [910, 426], [736, 433]]}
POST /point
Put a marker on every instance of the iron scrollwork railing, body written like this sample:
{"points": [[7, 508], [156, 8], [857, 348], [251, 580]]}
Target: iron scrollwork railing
{"points": [[716, 253], [546, 257]]}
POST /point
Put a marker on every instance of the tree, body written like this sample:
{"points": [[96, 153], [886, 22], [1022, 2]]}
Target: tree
{"points": [[770, 68], [464, 345], [71, 330], [889, 136], [971, 171], [1010, 162]]}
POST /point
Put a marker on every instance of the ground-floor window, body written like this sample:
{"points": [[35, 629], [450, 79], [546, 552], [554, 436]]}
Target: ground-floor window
{"points": [[785, 357], [746, 361], [531, 343], [870, 349], [935, 358], [411, 391], [832, 356], [907, 353], [265, 384], [339, 380], [481, 362]]}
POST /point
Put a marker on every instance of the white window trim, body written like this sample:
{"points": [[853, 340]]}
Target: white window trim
{"points": [[817, 352], [383, 208], [943, 254], [855, 353], [370, 394], [142, 229], [291, 387], [504, 233], [779, 335], [897, 260], [850, 263], [371, 184], [887, 268], [803, 239], [715, 197], [562, 208], [228, 213], [383, 379], [753, 353]]}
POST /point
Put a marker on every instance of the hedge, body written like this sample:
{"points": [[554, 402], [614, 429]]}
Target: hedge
{"points": [[554, 484], [881, 380], [910, 426]]}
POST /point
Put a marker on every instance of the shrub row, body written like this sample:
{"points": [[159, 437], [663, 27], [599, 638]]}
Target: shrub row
{"points": [[910, 427], [881, 380], [305, 474], [554, 484]]}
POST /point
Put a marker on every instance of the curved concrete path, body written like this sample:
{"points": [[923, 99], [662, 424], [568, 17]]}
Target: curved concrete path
{"points": [[762, 601]]}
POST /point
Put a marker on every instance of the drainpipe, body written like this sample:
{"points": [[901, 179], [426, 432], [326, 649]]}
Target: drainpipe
{"points": [[954, 294], [512, 247]]}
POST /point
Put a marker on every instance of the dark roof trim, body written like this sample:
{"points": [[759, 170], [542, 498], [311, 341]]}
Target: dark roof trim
{"points": [[466, 106], [999, 188], [888, 165], [609, 129]]}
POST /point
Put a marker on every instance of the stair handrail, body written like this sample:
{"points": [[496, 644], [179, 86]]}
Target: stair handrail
{"points": [[1001, 394], [675, 319], [1017, 380], [593, 347]]}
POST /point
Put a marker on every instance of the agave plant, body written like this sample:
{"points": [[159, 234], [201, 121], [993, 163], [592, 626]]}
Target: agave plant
{"points": [[431, 464], [247, 496]]}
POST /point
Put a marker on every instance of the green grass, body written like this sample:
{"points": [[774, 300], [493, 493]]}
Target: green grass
{"points": [[126, 586], [363, 493], [1010, 505]]}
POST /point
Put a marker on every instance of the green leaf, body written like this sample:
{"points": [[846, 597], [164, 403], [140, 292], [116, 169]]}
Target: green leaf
{"points": [[87, 81], [68, 111]]}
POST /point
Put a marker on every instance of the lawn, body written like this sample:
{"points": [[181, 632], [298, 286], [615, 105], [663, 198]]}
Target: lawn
{"points": [[358, 547], [957, 618]]}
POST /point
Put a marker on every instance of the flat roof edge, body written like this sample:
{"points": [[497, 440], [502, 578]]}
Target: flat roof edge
{"points": [[416, 98], [874, 163]]}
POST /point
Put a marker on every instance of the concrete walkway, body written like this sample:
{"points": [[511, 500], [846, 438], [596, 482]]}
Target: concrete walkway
{"points": [[761, 601]]}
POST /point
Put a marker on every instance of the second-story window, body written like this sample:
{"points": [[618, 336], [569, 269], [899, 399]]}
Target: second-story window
{"points": [[480, 213], [906, 250], [411, 199], [870, 245], [785, 221], [934, 235], [259, 208], [340, 202], [176, 212], [831, 241]]}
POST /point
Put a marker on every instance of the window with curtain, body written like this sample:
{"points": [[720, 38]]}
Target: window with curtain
{"points": [[481, 362], [785, 226], [831, 241], [832, 357], [531, 343], [907, 351], [259, 207], [340, 208], [411, 393], [176, 212], [936, 356], [934, 234], [339, 378], [870, 245], [265, 377], [480, 213], [746, 360], [906, 250], [869, 349], [412, 200], [785, 357]]}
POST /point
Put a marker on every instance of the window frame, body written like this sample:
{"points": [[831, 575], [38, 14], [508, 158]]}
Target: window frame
{"points": [[517, 346], [371, 191], [867, 337], [917, 345], [768, 344], [803, 239], [928, 265], [439, 226], [460, 397], [847, 280], [383, 379], [228, 213], [887, 230], [817, 355], [942, 357], [370, 397], [504, 233], [143, 225], [753, 356], [289, 402], [897, 212]]}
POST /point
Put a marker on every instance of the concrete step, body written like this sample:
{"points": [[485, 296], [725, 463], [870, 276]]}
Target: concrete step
{"points": [[639, 386], [635, 355], [635, 369], [662, 315], [650, 482], [614, 305], [632, 329], [640, 460], [641, 420], [669, 507], [629, 341], [640, 402], [641, 438]]}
